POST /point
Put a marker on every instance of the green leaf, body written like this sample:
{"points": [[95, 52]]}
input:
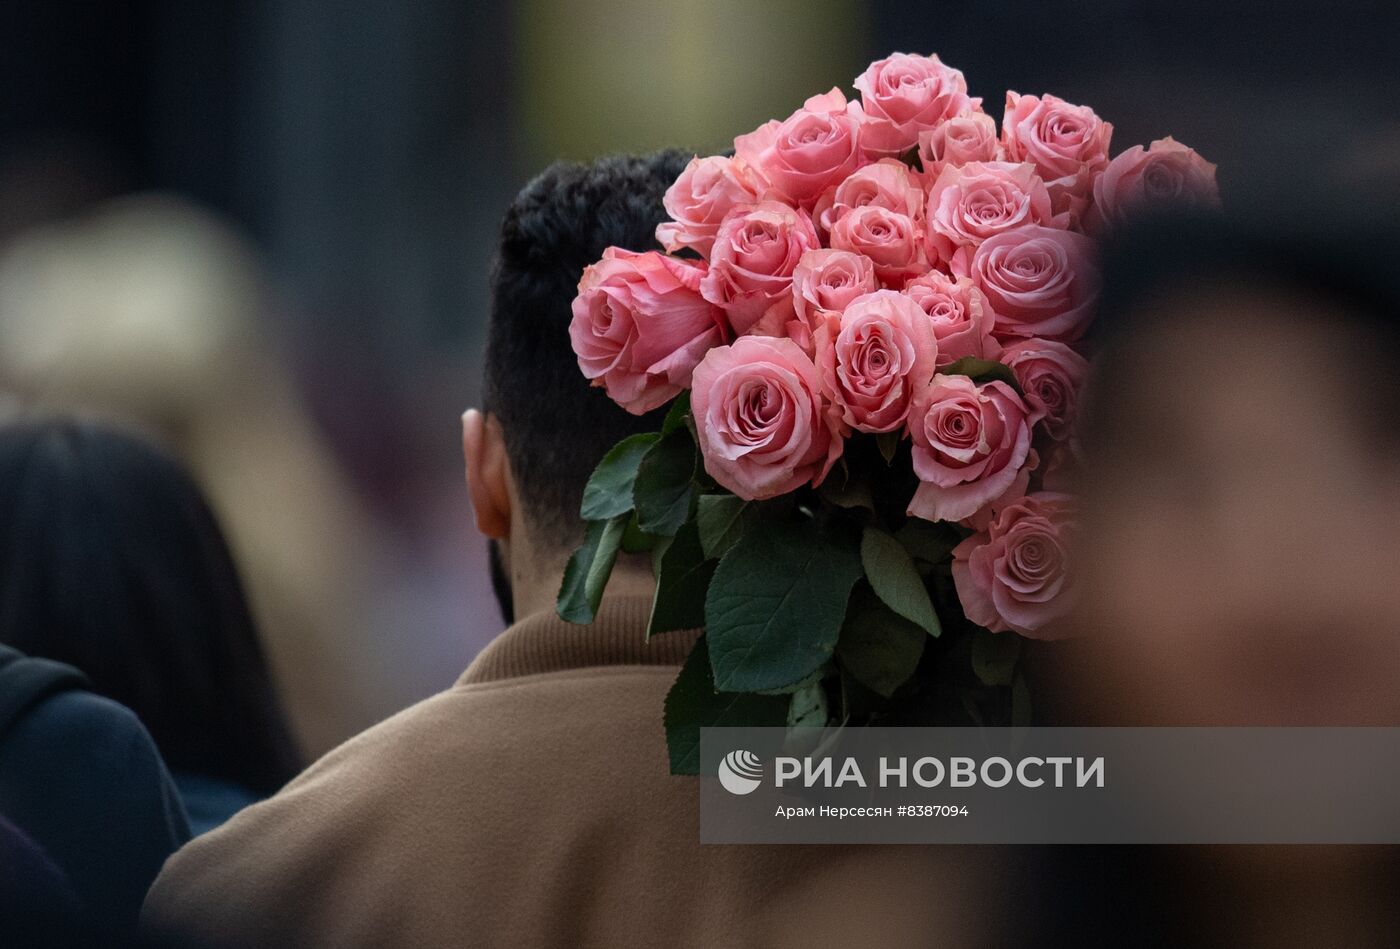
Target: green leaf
{"points": [[878, 647], [658, 553], [664, 484], [928, 543], [775, 605], [808, 707], [675, 416], [983, 370], [888, 443], [800, 684], [588, 569], [609, 489], [848, 493], [693, 704], [994, 656], [719, 518], [635, 540], [891, 573], [682, 577], [807, 718]]}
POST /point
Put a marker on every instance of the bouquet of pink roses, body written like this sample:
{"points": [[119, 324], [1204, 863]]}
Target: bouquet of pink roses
{"points": [[871, 333]]}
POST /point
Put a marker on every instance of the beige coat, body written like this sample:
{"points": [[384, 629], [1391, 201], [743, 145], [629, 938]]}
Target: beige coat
{"points": [[530, 805]]}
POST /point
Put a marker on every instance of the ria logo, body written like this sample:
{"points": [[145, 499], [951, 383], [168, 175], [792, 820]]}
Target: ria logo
{"points": [[740, 772]]}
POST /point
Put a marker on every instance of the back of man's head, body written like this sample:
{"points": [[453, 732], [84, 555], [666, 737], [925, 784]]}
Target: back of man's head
{"points": [[556, 426]]}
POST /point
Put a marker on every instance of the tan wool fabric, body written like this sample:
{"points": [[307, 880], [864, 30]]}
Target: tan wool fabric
{"points": [[529, 805]]}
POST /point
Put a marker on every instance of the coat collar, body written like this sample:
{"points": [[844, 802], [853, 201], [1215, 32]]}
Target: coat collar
{"points": [[543, 642]]}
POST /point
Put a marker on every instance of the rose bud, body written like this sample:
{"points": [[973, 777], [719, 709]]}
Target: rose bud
{"points": [[878, 357], [762, 423], [961, 318], [1039, 281], [1166, 176], [1016, 575], [825, 281], [904, 95], [891, 240], [972, 448], [756, 250], [640, 326], [707, 190], [1068, 144], [808, 152], [958, 141]]}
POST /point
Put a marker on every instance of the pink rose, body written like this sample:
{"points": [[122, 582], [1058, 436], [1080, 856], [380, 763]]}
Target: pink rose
{"points": [[1050, 374], [640, 326], [756, 250], [764, 428], [1040, 281], [826, 281], [1167, 175], [1068, 144], [1017, 574], [962, 321], [904, 95], [963, 139], [887, 182], [969, 203], [890, 239], [707, 190], [879, 357], [811, 150], [972, 448]]}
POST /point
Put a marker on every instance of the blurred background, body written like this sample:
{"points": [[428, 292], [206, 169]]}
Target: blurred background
{"points": [[263, 230]]}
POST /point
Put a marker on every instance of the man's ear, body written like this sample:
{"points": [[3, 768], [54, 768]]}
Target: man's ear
{"points": [[488, 473]]}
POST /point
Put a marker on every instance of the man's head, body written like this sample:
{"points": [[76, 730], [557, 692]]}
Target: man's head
{"points": [[544, 427]]}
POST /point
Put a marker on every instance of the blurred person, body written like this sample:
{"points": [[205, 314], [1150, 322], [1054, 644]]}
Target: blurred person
{"points": [[112, 562], [1241, 479], [147, 307], [38, 907], [531, 804], [88, 812], [1242, 476]]}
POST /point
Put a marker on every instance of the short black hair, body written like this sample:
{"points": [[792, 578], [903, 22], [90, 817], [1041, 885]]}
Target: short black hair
{"points": [[557, 427], [112, 561]]}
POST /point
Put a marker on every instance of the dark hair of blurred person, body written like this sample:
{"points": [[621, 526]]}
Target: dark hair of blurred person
{"points": [[111, 561], [1335, 269], [1241, 489]]}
